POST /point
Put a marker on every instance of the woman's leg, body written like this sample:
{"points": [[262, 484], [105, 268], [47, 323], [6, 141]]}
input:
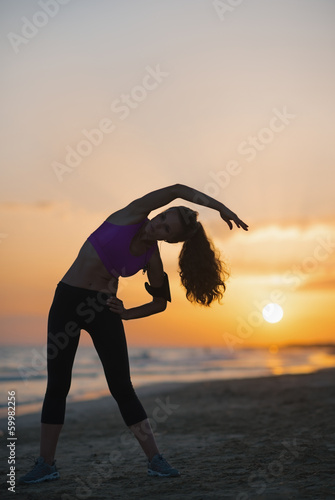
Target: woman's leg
{"points": [[49, 439], [144, 435], [109, 339], [63, 339]]}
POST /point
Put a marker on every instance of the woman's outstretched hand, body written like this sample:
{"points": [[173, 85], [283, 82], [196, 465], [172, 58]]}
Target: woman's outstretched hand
{"points": [[228, 216]]}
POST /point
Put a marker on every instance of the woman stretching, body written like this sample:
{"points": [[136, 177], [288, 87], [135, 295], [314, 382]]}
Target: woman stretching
{"points": [[86, 299]]}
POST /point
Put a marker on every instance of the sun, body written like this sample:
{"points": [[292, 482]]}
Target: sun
{"points": [[272, 313]]}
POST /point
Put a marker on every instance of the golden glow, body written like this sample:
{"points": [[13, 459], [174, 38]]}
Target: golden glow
{"points": [[207, 123]]}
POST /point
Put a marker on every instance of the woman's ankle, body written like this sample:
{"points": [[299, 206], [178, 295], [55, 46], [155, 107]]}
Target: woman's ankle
{"points": [[48, 460]]}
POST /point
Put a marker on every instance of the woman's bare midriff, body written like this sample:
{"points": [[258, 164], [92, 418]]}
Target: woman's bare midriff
{"points": [[88, 272]]}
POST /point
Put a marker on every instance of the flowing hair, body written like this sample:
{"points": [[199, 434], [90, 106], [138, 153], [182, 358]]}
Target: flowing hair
{"points": [[202, 272]]}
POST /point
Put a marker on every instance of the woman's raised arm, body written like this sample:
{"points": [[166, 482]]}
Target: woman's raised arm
{"points": [[141, 207], [155, 199]]}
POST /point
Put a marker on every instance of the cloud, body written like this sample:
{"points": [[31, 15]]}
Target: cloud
{"points": [[304, 254], [289, 228], [40, 205], [319, 285], [280, 233]]}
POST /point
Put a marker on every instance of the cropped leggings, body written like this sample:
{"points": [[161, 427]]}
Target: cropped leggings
{"points": [[74, 309]]}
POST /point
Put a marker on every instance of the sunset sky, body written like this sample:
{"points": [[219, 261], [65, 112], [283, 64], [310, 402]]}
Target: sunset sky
{"points": [[235, 99]]}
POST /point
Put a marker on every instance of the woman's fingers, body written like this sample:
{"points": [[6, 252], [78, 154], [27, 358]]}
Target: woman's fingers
{"points": [[115, 304], [239, 223], [113, 300], [242, 224]]}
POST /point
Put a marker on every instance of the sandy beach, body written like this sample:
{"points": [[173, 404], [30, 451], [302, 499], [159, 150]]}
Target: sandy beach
{"points": [[265, 438]]}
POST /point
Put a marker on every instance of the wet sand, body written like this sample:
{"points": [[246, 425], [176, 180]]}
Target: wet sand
{"points": [[265, 438]]}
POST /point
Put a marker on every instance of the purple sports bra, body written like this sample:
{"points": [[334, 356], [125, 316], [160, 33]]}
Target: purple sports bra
{"points": [[112, 243]]}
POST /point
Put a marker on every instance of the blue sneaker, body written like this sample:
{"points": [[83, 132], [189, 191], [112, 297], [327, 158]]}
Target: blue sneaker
{"points": [[160, 467], [41, 472]]}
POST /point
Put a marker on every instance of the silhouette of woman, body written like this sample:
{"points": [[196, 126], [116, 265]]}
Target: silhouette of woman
{"points": [[85, 298]]}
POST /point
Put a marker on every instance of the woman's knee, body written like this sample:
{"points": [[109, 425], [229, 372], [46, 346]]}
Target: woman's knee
{"points": [[122, 391], [57, 389]]}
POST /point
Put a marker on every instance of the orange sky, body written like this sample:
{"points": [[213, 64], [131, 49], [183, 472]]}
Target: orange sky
{"points": [[238, 106]]}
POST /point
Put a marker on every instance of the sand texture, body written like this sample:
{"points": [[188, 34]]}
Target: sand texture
{"points": [[265, 438]]}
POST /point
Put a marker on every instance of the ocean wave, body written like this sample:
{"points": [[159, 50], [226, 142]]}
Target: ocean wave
{"points": [[152, 364]]}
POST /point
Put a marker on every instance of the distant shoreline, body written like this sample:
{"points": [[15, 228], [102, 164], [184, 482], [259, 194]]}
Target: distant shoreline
{"points": [[150, 389], [152, 365]]}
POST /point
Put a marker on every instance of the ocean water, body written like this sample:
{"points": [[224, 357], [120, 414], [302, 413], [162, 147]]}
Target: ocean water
{"points": [[23, 368]]}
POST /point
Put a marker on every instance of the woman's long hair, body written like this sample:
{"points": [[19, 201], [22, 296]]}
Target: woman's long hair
{"points": [[202, 272]]}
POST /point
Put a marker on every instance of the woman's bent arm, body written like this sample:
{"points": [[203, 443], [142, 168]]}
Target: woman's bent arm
{"points": [[155, 306], [158, 304]]}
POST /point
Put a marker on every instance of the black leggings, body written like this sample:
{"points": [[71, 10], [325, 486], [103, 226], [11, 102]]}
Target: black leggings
{"points": [[74, 309]]}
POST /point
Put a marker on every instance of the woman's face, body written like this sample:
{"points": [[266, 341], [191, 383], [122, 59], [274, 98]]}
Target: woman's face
{"points": [[165, 226]]}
